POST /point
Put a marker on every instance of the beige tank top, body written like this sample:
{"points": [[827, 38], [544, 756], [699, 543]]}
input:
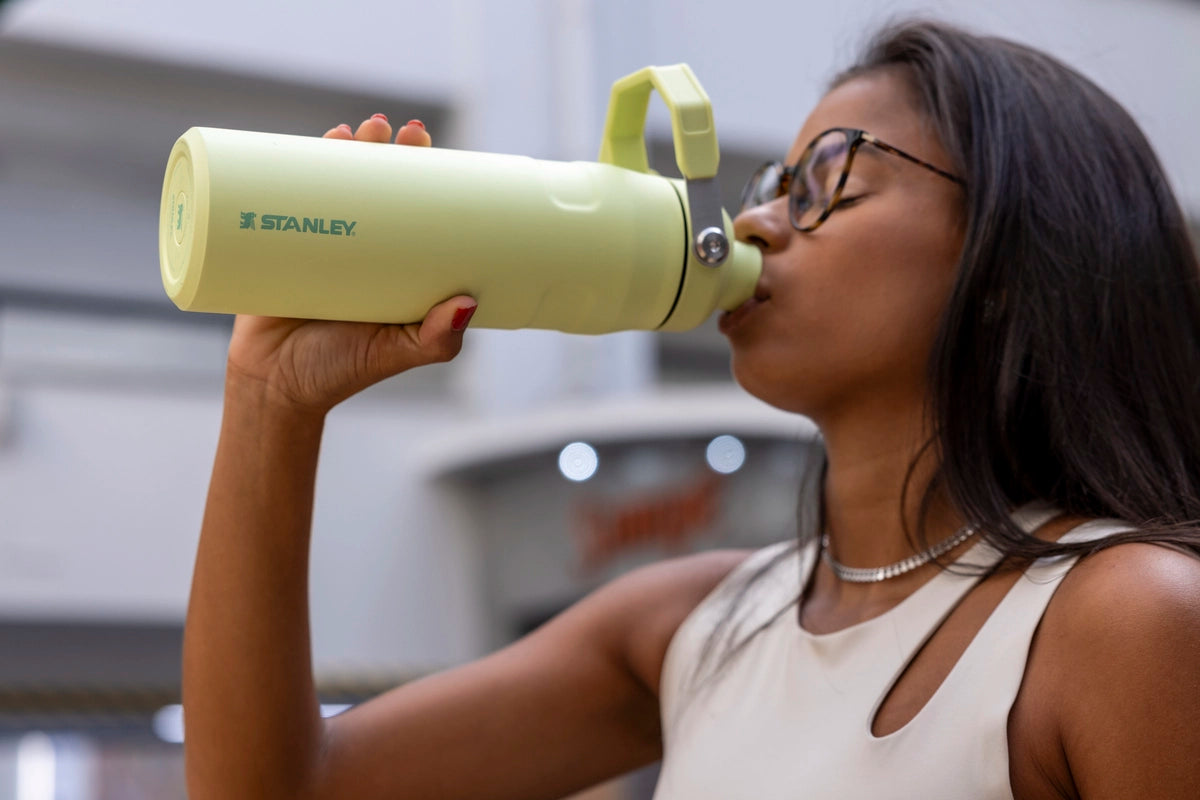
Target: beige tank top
{"points": [[789, 716]]}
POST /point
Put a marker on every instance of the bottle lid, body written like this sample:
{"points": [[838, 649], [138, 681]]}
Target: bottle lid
{"points": [[183, 220]]}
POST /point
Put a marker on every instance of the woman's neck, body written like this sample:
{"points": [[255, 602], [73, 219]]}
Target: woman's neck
{"points": [[867, 510]]}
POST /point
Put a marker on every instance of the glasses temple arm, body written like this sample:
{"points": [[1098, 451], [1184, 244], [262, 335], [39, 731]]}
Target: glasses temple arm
{"points": [[897, 151]]}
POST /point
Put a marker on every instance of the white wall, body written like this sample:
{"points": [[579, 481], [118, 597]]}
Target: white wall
{"points": [[82, 520], [102, 489]]}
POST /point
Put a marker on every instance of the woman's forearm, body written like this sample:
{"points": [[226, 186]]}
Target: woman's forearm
{"points": [[253, 727]]}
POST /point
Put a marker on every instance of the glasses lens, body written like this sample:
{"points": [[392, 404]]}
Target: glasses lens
{"points": [[763, 186], [818, 174]]}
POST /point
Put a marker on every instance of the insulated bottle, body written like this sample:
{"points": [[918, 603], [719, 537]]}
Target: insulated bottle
{"points": [[294, 226]]}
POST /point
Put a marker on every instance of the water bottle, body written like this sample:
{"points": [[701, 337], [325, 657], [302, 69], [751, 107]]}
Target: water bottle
{"points": [[311, 228]]}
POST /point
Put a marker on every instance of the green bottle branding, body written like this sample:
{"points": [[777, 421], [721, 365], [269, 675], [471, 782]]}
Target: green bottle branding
{"points": [[251, 220]]}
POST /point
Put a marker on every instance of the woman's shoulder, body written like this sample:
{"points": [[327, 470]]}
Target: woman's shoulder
{"points": [[1124, 581], [1118, 652], [1123, 590], [1136, 604], [1127, 596]]}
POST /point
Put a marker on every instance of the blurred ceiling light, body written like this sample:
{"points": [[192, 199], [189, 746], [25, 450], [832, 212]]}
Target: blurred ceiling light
{"points": [[35, 767], [578, 461], [726, 454], [168, 724]]}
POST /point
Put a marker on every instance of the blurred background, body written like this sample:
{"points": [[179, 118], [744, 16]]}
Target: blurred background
{"points": [[458, 506]]}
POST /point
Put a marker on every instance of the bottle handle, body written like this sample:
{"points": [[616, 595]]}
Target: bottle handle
{"points": [[695, 138]]}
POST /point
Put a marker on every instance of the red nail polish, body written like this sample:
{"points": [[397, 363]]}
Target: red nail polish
{"points": [[345, 127], [380, 116], [417, 123], [461, 317]]}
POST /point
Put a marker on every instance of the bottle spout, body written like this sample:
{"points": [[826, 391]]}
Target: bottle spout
{"points": [[706, 289], [742, 270]]}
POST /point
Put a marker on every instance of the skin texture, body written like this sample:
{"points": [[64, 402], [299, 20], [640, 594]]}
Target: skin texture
{"points": [[1112, 687]]}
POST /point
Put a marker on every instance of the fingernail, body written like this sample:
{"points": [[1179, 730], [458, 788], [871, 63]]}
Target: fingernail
{"points": [[379, 116], [416, 123], [346, 128], [461, 317]]}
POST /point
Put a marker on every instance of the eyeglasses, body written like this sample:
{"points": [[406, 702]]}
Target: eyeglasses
{"points": [[814, 185]]}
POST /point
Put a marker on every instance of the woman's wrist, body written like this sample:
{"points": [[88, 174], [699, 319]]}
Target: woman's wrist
{"points": [[254, 401], [266, 400]]}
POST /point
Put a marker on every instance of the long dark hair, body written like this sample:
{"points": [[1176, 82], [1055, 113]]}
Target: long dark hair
{"points": [[1067, 363]]}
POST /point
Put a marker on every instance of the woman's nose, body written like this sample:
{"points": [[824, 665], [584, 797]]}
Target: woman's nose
{"points": [[765, 226]]}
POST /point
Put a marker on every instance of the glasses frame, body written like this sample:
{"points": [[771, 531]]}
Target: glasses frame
{"points": [[855, 138]]}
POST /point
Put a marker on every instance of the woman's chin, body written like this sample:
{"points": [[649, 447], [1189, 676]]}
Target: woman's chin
{"points": [[765, 383]]}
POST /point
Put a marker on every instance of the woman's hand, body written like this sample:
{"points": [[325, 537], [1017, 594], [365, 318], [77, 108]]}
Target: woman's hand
{"points": [[311, 366]]}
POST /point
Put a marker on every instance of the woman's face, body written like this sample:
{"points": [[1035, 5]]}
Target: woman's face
{"points": [[852, 307]]}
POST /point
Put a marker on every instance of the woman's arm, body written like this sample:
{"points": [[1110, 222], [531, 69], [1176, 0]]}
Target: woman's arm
{"points": [[253, 727], [251, 716]]}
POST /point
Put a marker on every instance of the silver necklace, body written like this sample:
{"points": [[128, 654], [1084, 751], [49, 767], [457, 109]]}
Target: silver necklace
{"points": [[877, 574]]}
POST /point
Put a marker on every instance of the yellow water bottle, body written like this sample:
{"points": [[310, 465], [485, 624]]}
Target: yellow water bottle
{"points": [[303, 227]]}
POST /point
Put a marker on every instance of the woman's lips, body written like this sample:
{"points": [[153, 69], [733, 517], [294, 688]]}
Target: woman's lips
{"points": [[731, 320]]}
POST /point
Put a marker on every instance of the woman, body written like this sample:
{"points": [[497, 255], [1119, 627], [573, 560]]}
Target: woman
{"points": [[978, 284]]}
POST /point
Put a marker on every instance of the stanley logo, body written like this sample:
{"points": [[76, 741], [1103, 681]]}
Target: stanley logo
{"points": [[282, 222]]}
